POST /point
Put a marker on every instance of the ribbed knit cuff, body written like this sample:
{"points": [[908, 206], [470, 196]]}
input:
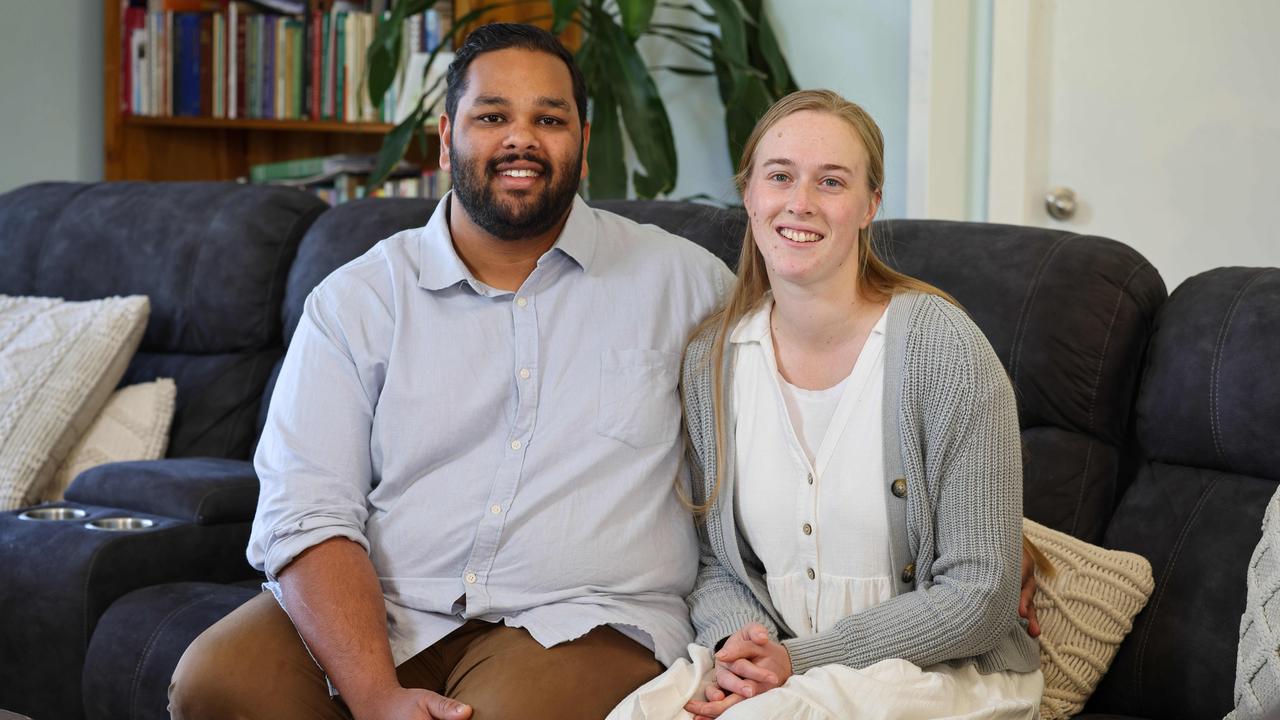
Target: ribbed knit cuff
{"points": [[725, 625], [810, 652]]}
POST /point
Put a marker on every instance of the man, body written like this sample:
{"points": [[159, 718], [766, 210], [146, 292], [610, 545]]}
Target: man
{"points": [[467, 467]]}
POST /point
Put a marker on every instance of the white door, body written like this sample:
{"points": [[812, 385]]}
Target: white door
{"points": [[1162, 116]]}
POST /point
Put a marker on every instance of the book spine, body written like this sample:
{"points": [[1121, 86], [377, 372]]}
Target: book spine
{"points": [[314, 49], [299, 69], [282, 68], [203, 55], [340, 69], [269, 66]]}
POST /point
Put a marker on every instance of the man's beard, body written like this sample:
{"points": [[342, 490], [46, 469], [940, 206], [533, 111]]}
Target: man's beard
{"points": [[515, 220]]}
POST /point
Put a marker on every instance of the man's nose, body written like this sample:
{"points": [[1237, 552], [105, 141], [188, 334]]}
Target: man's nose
{"points": [[520, 136]]}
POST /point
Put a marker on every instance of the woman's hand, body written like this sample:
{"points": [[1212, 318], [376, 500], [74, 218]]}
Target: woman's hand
{"points": [[717, 701], [1027, 598], [756, 662]]}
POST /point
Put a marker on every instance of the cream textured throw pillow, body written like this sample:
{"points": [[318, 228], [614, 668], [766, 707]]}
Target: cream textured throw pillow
{"points": [[134, 425], [1258, 655], [59, 362], [1085, 610]]}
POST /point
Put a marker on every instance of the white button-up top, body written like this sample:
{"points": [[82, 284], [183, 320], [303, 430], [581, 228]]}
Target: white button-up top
{"points": [[819, 527]]}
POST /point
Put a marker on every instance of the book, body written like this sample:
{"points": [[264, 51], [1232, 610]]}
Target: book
{"points": [[307, 171]]}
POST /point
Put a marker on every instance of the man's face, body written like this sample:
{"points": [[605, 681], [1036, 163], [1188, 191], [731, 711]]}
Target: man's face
{"points": [[515, 147]]}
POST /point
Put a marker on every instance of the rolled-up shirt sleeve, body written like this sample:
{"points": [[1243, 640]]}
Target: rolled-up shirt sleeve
{"points": [[314, 460]]}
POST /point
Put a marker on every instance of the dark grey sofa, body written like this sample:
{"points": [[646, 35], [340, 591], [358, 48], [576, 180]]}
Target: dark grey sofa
{"points": [[1146, 422]]}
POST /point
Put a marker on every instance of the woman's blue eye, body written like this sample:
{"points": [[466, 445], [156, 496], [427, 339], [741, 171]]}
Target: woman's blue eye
{"points": [[778, 177], [831, 182]]}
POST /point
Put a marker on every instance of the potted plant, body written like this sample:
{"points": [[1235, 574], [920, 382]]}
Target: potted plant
{"points": [[743, 56]]}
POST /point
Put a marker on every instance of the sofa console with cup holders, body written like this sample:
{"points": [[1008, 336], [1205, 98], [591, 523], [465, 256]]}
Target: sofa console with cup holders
{"points": [[1147, 422]]}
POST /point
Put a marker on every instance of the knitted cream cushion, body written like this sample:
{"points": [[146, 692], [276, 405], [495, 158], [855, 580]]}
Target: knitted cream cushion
{"points": [[1258, 655], [1085, 610], [134, 425], [59, 362]]}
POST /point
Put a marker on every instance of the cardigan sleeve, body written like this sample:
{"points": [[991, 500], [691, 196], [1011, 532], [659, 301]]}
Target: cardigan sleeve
{"points": [[720, 603], [959, 433]]}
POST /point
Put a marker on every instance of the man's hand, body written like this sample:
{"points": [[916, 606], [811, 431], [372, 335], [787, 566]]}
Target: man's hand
{"points": [[717, 702], [414, 704], [1027, 603]]}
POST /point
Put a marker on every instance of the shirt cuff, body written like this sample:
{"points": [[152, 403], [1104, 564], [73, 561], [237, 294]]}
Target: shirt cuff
{"points": [[288, 542]]}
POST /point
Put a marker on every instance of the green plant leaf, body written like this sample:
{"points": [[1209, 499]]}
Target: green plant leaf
{"points": [[394, 145], [681, 70], [689, 8], [643, 113], [562, 13], [606, 155], [766, 53], [636, 15]]}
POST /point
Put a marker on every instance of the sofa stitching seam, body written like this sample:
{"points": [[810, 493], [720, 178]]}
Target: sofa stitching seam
{"points": [[1215, 366], [1164, 577], [1015, 359], [146, 651], [1084, 478], [1106, 343]]}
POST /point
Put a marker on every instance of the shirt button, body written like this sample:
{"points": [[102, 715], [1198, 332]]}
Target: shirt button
{"points": [[522, 301], [471, 577], [515, 444], [495, 509], [808, 529], [810, 478], [810, 573], [524, 373]]}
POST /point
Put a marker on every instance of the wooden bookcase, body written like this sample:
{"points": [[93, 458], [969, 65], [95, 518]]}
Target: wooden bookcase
{"points": [[187, 148]]}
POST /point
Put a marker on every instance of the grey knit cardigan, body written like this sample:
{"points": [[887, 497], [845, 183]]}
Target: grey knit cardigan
{"points": [[951, 432]]}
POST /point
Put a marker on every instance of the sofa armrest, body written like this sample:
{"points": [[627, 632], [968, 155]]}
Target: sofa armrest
{"points": [[203, 491]]}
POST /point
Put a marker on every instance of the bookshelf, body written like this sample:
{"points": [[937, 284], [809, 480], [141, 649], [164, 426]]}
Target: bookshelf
{"points": [[138, 147]]}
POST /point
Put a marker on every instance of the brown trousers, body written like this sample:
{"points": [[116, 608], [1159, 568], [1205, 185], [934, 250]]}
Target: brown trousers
{"points": [[253, 664]]}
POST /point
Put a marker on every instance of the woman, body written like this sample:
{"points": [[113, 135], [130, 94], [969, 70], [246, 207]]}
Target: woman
{"points": [[856, 464]]}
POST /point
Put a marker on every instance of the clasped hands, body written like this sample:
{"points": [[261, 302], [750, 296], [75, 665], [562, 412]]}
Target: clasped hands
{"points": [[749, 663]]}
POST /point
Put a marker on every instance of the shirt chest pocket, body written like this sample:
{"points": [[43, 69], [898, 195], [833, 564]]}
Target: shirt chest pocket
{"points": [[639, 404]]}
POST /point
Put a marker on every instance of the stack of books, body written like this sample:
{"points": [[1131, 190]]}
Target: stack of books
{"points": [[273, 59], [339, 178]]}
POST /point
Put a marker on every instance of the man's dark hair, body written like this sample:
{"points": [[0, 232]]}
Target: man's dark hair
{"points": [[500, 36]]}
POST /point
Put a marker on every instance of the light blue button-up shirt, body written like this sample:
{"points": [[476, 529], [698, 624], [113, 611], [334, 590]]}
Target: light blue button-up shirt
{"points": [[502, 456]]}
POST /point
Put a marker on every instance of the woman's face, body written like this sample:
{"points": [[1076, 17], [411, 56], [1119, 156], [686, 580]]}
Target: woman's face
{"points": [[808, 196]]}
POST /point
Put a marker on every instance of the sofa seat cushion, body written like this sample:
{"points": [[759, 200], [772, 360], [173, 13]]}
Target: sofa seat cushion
{"points": [[59, 362], [140, 639], [1086, 609]]}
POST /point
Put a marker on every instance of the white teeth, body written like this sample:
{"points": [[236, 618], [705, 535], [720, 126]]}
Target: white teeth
{"points": [[799, 235], [520, 173]]}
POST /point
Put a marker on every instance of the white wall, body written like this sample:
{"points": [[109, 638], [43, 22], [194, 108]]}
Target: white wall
{"points": [[859, 48], [50, 91]]}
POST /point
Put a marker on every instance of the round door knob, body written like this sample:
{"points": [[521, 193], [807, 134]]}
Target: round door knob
{"points": [[1061, 203]]}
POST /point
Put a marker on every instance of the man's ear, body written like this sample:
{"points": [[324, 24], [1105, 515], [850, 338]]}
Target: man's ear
{"points": [[445, 141], [586, 142]]}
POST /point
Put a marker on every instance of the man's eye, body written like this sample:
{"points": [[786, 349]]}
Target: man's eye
{"points": [[550, 121], [490, 118]]}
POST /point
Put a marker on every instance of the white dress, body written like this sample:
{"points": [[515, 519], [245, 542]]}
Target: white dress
{"points": [[824, 547]]}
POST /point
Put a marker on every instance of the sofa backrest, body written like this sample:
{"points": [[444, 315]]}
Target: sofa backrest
{"points": [[212, 257], [1207, 414], [1069, 316]]}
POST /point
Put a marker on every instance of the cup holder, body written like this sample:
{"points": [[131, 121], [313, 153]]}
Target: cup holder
{"points": [[52, 513], [120, 524]]}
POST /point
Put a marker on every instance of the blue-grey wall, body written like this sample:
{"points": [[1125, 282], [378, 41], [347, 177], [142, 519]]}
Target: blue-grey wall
{"points": [[50, 91]]}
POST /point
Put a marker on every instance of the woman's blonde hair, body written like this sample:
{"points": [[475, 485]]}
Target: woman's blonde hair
{"points": [[875, 279]]}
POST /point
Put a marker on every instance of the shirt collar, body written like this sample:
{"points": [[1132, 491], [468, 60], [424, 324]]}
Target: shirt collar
{"points": [[441, 267], [754, 326]]}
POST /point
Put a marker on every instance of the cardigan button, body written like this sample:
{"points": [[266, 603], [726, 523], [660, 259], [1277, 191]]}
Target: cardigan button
{"points": [[899, 487], [909, 573], [807, 529]]}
